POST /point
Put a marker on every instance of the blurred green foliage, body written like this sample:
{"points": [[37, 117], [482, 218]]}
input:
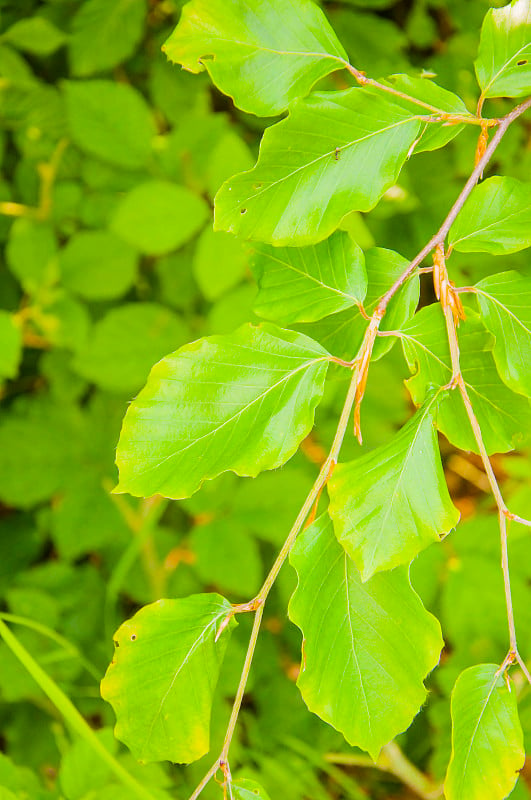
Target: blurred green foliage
{"points": [[109, 161]]}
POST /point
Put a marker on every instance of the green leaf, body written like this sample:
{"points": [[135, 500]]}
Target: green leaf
{"points": [[246, 789], [10, 345], [97, 265], [342, 334], [226, 557], [83, 771], [367, 646], [350, 147], [505, 303], [487, 739], [308, 283], [111, 121], [37, 35], [241, 402], [503, 416], [433, 135], [125, 343], [496, 218], [264, 55], [105, 34], [503, 65], [39, 450], [220, 262], [390, 504], [31, 252], [163, 676], [157, 217]]}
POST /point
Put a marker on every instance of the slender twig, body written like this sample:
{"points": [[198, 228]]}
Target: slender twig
{"points": [[458, 381], [446, 116]]}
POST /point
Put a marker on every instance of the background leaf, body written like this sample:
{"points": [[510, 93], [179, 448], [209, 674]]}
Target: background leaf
{"points": [[241, 402], [158, 216], [505, 303], [393, 502], [111, 121], [97, 265], [162, 678], [504, 417], [243, 44], [308, 283], [126, 342], [503, 65], [367, 646], [350, 148], [116, 29], [246, 789], [487, 740], [496, 218], [10, 345]]}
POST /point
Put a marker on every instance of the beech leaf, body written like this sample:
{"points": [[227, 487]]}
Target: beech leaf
{"points": [[342, 333], [487, 738], [241, 402], [162, 678], [495, 219], [335, 153], [505, 302], [367, 647], [503, 65], [390, 504], [504, 417], [303, 284], [263, 54]]}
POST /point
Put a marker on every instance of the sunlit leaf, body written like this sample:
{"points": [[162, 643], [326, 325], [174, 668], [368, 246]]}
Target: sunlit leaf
{"points": [[393, 502], [241, 402], [496, 218], [162, 678], [336, 152], [505, 302], [487, 739], [367, 647], [504, 417], [263, 54], [342, 333], [503, 65], [303, 284]]}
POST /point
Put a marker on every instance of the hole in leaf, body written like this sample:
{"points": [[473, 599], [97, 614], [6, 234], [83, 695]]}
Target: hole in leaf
{"points": [[243, 211], [133, 637], [116, 643], [521, 63]]}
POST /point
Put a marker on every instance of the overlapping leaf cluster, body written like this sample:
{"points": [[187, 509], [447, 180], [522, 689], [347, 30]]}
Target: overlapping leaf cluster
{"points": [[112, 263]]}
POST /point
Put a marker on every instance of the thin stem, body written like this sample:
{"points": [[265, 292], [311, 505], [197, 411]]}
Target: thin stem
{"points": [[445, 115], [261, 597], [44, 630], [441, 234], [70, 713], [457, 376]]}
